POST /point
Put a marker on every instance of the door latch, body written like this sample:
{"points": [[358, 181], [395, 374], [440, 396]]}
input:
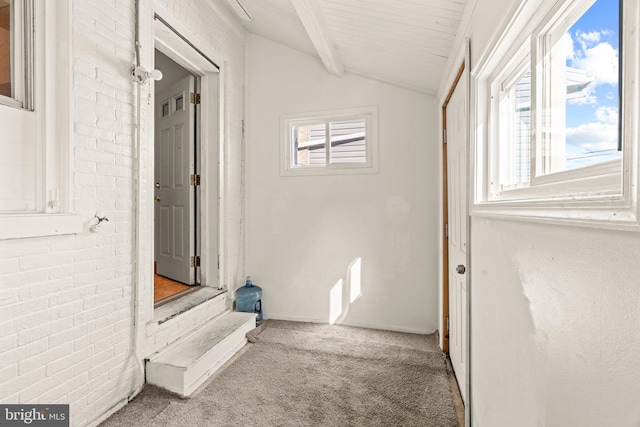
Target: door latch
{"points": [[460, 269]]}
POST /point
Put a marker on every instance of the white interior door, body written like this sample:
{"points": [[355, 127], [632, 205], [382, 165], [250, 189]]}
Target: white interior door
{"points": [[456, 123], [174, 194]]}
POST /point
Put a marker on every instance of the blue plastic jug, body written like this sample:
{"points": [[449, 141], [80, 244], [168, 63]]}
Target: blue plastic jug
{"points": [[249, 298]]}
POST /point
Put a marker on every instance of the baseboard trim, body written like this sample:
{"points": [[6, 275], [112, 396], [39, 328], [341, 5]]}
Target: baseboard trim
{"points": [[394, 328]]}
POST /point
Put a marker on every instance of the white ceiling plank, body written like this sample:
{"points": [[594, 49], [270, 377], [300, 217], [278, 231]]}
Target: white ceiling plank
{"points": [[311, 15], [406, 43], [426, 38], [415, 88], [240, 10]]}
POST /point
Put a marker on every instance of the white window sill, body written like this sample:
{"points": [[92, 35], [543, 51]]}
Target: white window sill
{"points": [[323, 170], [604, 215], [20, 226]]}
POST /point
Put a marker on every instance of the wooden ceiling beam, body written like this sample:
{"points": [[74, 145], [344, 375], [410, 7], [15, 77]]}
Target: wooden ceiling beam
{"points": [[310, 13]]}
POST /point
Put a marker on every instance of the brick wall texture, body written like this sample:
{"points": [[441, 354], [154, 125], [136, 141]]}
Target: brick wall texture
{"points": [[66, 311]]}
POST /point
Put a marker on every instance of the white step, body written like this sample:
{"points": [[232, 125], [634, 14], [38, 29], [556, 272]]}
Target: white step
{"points": [[185, 365]]}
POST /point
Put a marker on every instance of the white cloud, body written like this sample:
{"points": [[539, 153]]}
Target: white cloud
{"points": [[566, 45], [607, 115], [593, 136], [588, 40], [600, 61]]}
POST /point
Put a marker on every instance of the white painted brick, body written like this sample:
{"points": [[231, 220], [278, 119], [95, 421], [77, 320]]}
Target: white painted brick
{"points": [[69, 309], [19, 279], [33, 262], [114, 170], [77, 398], [98, 274], [93, 85], [102, 369], [44, 329], [98, 312], [66, 336], [95, 132], [86, 68], [104, 23], [67, 361], [29, 322], [31, 393], [11, 400], [8, 342], [7, 299], [60, 391], [94, 253], [104, 357], [8, 373], [18, 248], [71, 270], [36, 290], [17, 354], [85, 148], [16, 311], [100, 300], [8, 266], [110, 283], [20, 383], [87, 338]]}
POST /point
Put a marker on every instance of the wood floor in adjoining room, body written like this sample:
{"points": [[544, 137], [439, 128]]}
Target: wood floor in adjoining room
{"points": [[165, 288]]}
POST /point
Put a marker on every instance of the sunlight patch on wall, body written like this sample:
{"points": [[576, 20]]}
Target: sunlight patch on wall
{"points": [[335, 302], [355, 279]]}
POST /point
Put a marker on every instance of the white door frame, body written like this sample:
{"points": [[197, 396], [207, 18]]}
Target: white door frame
{"points": [[170, 37]]}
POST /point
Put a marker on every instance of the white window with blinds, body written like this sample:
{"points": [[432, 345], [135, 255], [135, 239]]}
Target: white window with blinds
{"points": [[330, 142]]}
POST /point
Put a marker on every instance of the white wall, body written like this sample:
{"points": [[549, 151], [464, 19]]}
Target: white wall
{"points": [[554, 312], [303, 233], [555, 324], [66, 302]]}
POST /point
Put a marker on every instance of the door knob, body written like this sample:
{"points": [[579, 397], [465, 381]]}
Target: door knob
{"points": [[157, 185], [156, 198], [460, 269]]}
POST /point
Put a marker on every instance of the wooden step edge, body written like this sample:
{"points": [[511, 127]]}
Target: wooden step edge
{"points": [[184, 337]]}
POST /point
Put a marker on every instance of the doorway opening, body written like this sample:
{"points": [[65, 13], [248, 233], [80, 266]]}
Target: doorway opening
{"points": [[188, 165], [176, 214]]}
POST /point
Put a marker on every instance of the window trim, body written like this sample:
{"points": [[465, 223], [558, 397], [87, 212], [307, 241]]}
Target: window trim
{"points": [[370, 114], [52, 108], [22, 53], [607, 196]]}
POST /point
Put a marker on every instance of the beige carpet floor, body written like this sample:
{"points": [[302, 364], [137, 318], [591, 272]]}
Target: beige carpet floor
{"points": [[302, 374]]}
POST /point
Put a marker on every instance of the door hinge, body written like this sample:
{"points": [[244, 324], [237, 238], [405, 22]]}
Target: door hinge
{"points": [[446, 230], [447, 323], [195, 179], [195, 98], [195, 261], [444, 135]]}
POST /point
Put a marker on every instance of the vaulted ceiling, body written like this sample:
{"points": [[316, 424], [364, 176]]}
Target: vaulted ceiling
{"points": [[403, 42]]}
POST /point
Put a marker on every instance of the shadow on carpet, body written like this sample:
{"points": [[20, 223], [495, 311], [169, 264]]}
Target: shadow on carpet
{"points": [[302, 374]]}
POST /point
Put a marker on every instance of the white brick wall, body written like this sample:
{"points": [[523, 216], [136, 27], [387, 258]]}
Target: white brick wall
{"points": [[65, 302]]}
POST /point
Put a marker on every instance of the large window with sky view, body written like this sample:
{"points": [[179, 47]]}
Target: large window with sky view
{"points": [[576, 65], [591, 48]]}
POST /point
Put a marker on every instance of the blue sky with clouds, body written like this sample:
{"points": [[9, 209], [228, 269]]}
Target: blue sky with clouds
{"points": [[592, 121]]}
